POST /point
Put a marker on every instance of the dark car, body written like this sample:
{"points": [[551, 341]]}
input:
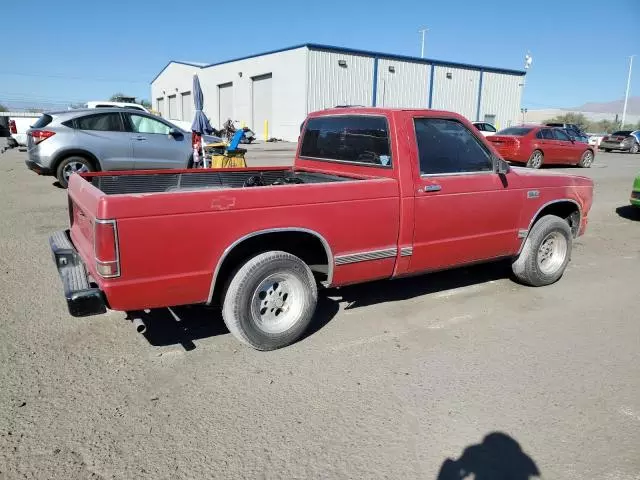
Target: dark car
{"points": [[572, 130], [625, 140]]}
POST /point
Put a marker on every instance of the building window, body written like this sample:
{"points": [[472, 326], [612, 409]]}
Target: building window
{"points": [[355, 139]]}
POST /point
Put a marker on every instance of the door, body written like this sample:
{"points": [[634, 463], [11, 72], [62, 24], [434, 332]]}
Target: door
{"points": [[464, 211], [153, 146], [566, 148], [187, 107], [549, 145], [225, 103], [261, 96], [104, 135]]}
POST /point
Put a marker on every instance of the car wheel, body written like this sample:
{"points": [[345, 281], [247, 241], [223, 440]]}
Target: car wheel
{"points": [[546, 252], [634, 148], [71, 165], [586, 160], [270, 300], [536, 159]]}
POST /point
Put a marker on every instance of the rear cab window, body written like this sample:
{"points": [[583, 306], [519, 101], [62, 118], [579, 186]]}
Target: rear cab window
{"points": [[358, 139]]}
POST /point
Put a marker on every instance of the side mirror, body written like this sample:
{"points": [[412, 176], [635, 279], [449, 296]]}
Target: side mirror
{"points": [[502, 167], [573, 139], [175, 133]]}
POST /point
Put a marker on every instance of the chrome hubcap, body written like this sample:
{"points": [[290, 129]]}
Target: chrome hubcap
{"points": [[536, 160], [552, 253], [277, 303], [74, 167], [588, 158]]}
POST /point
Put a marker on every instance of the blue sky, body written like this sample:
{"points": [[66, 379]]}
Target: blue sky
{"points": [[74, 50]]}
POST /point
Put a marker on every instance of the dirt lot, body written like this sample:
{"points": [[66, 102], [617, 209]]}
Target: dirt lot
{"points": [[395, 377]]}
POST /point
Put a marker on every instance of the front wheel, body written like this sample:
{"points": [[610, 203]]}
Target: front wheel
{"points": [[536, 159], [72, 165], [270, 300], [634, 148], [546, 252], [586, 160]]}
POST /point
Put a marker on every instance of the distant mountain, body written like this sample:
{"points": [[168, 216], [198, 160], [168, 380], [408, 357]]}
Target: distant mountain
{"points": [[633, 106]]}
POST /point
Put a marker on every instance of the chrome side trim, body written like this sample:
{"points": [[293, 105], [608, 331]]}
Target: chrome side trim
{"points": [[366, 256], [535, 215], [228, 250], [406, 251]]}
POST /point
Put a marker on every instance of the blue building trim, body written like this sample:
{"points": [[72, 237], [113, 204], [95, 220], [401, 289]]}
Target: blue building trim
{"points": [[330, 48], [479, 96], [431, 76], [374, 100]]}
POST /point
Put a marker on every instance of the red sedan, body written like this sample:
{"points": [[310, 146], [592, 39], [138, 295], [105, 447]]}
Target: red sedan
{"points": [[535, 145]]}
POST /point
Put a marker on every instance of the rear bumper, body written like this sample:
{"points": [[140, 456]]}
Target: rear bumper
{"points": [[615, 145], [82, 299], [36, 167], [635, 198]]}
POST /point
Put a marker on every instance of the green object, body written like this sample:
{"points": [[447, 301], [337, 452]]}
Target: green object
{"points": [[635, 193]]}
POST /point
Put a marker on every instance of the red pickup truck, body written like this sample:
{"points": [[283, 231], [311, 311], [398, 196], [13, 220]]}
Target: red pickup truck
{"points": [[373, 194]]}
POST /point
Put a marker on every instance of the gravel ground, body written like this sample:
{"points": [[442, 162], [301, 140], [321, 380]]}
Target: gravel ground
{"points": [[395, 377]]}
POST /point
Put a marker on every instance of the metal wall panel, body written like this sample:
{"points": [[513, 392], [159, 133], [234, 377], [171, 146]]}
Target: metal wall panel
{"points": [[501, 97], [456, 94], [173, 107], [330, 84], [225, 103], [262, 103], [187, 107], [406, 87]]}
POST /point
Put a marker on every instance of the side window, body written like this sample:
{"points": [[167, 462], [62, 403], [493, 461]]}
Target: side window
{"points": [[489, 128], [349, 138], [446, 146], [561, 135], [143, 124], [547, 134], [103, 122], [479, 126], [539, 134]]}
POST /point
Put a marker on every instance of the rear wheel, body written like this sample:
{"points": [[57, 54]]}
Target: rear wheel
{"points": [[536, 159], [586, 160], [270, 300], [634, 148], [546, 252], [72, 165]]}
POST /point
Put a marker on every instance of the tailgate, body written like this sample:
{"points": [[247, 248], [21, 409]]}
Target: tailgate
{"points": [[84, 204]]}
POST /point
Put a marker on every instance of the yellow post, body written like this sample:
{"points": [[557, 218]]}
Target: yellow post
{"points": [[266, 130], [243, 124]]}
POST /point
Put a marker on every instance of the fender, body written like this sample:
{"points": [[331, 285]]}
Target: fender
{"points": [[535, 215]]}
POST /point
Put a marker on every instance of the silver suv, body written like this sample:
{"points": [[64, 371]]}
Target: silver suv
{"points": [[61, 143]]}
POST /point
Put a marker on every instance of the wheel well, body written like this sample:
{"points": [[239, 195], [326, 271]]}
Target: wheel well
{"points": [[95, 163], [304, 245], [567, 210]]}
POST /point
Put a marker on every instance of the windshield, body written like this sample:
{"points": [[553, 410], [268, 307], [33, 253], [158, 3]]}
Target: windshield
{"points": [[515, 131], [622, 133]]}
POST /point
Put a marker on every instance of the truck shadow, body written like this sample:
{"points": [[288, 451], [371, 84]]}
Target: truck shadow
{"points": [[199, 322], [498, 456]]}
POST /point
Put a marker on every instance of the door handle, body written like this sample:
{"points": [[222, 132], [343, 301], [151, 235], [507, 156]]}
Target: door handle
{"points": [[434, 187], [140, 139]]}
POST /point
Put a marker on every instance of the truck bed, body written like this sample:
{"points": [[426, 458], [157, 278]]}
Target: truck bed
{"points": [[172, 181]]}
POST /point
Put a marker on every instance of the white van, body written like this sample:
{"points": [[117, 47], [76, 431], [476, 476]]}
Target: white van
{"points": [[110, 104]]}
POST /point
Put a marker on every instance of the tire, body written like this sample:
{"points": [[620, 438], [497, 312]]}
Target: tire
{"points": [[536, 159], [587, 159], [270, 301], [531, 268], [634, 148], [71, 165]]}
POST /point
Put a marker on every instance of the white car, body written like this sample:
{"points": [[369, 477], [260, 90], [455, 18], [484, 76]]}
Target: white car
{"points": [[485, 128], [110, 104]]}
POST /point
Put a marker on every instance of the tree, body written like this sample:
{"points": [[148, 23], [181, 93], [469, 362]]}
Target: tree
{"points": [[116, 96], [145, 103], [3, 108]]}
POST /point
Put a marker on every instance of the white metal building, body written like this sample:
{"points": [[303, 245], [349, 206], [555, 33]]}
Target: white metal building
{"points": [[276, 90]]}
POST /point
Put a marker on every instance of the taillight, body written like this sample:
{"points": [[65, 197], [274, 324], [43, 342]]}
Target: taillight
{"points": [[105, 247], [40, 135], [604, 139], [12, 127]]}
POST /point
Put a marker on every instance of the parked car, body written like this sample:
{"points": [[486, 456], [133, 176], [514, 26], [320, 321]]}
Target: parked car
{"points": [[19, 124], [573, 130], [625, 140], [61, 143], [370, 196], [486, 129], [536, 145], [635, 192]]}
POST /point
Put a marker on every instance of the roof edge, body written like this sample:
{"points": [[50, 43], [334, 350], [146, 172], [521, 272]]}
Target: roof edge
{"points": [[179, 63]]}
